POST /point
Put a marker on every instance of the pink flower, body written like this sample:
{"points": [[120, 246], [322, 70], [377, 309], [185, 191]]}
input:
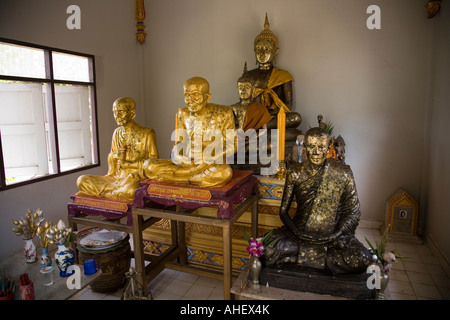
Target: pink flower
{"points": [[256, 247]]}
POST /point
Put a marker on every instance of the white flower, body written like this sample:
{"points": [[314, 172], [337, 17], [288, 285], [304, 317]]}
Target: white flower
{"points": [[388, 257], [61, 225]]}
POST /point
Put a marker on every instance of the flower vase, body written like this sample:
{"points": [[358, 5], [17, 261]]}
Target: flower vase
{"points": [[384, 280], [46, 260], [255, 269], [64, 258], [29, 249]]}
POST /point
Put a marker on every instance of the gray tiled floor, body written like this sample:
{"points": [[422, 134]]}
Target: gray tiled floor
{"points": [[420, 277]]}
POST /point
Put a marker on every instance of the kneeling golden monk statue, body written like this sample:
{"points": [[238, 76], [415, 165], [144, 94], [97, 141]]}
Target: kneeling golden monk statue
{"points": [[131, 145], [197, 163]]}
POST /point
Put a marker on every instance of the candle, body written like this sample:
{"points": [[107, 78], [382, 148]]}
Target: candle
{"points": [[281, 125], [176, 127]]}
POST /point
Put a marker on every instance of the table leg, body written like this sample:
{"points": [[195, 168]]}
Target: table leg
{"points": [[182, 242], [139, 260], [254, 221], [74, 227], [226, 261]]}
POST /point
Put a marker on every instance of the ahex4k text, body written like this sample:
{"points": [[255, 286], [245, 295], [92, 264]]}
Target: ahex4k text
{"points": [[246, 309]]}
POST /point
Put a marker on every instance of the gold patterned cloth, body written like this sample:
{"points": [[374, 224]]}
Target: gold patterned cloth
{"points": [[322, 232], [269, 97]]}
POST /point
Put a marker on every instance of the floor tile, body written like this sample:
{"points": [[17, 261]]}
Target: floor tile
{"points": [[419, 277], [198, 292], [406, 249], [398, 275], [424, 250], [216, 294], [178, 287], [426, 291], [414, 266], [435, 269], [159, 283], [411, 257], [445, 292], [400, 287], [167, 296], [427, 259], [188, 277], [442, 281], [401, 296], [398, 265], [207, 282]]}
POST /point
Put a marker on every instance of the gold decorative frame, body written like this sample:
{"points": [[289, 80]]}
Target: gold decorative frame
{"points": [[140, 17], [402, 213]]}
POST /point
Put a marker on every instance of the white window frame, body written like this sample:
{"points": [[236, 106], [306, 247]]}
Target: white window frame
{"points": [[55, 158]]}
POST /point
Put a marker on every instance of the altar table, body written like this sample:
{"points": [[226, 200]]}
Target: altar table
{"points": [[231, 200]]}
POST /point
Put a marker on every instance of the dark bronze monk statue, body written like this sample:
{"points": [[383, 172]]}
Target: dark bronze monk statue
{"points": [[321, 234]]}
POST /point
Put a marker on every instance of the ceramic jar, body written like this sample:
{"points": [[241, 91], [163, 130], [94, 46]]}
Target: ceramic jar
{"points": [[64, 258], [29, 249], [46, 260]]}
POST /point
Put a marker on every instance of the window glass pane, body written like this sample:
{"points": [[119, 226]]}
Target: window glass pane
{"points": [[21, 61], [73, 113], [22, 130], [70, 67], [46, 128]]}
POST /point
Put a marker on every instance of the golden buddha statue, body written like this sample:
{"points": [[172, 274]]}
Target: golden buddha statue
{"points": [[321, 235], [250, 116], [195, 160], [248, 113], [273, 86], [131, 145]]}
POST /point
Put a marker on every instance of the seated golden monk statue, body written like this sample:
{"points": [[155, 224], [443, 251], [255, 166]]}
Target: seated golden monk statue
{"points": [[321, 234], [273, 86], [131, 145], [199, 158]]}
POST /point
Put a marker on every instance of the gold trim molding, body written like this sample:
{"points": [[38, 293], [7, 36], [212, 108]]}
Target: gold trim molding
{"points": [[140, 17]]}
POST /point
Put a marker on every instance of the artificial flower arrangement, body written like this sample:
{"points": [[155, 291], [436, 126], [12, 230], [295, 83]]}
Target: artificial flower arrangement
{"points": [[386, 258], [42, 230], [27, 226], [60, 234]]}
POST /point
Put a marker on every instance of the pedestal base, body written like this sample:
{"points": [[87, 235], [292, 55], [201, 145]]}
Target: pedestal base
{"points": [[352, 286]]}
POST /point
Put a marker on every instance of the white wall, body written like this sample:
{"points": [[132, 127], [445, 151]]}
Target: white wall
{"points": [[382, 89], [438, 160]]}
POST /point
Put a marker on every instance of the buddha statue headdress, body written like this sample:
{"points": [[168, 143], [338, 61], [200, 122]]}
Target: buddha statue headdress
{"points": [[267, 34], [246, 76]]}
